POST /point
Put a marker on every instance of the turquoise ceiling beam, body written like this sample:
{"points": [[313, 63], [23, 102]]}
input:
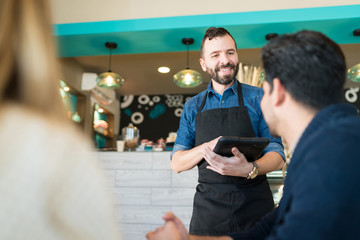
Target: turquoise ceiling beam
{"points": [[153, 35]]}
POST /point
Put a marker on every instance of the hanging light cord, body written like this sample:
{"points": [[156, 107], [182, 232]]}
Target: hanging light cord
{"points": [[187, 57], [110, 61]]}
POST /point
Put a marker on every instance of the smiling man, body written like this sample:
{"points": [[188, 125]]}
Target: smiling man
{"points": [[230, 197]]}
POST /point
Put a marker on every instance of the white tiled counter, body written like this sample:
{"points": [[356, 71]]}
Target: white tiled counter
{"points": [[146, 188]]}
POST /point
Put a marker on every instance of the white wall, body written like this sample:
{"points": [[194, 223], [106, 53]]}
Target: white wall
{"points": [[71, 11]]}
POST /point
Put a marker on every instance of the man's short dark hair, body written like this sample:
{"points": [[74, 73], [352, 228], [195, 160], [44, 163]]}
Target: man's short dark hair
{"points": [[214, 32], [310, 66]]}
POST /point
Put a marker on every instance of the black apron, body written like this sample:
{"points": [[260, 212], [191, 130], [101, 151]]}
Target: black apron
{"points": [[226, 204]]}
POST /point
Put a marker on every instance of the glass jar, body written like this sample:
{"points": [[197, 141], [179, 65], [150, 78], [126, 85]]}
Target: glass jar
{"points": [[131, 135]]}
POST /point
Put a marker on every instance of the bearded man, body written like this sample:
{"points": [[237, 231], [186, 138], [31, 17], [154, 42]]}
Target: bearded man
{"points": [[234, 194]]}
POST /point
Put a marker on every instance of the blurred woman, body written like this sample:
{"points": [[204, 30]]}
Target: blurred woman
{"points": [[50, 185]]}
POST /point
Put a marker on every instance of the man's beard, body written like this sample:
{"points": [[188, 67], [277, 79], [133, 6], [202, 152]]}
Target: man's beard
{"points": [[227, 79]]}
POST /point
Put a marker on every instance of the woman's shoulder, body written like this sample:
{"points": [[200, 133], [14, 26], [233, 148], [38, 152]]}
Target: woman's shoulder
{"points": [[19, 122]]}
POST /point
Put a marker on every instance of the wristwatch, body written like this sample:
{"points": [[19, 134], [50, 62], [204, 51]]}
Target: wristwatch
{"points": [[254, 172]]}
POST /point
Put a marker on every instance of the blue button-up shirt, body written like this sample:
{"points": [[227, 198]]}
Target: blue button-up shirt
{"points": [[185, 139]]}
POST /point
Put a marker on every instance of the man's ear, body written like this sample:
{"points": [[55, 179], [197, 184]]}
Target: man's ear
{"points": [[202, 64], [279, 92]]}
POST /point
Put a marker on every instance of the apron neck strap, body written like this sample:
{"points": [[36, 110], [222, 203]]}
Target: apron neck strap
{"points": [[240, 95], [203, 102]]}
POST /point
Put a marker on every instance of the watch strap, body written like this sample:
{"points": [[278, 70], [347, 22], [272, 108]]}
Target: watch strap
{"points": [[254, 172]]}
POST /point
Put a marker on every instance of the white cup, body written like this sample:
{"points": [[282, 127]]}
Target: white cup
{"points": [[120, 145]]}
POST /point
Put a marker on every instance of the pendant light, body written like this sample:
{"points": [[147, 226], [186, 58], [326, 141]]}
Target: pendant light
{"points": [[110, 79], [187, 78], [353, 73]]}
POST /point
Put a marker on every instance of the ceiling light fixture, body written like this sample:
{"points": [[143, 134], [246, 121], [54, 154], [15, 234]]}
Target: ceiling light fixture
{"points": [[270, 36], [110, 79], [163, 69], [187, 78], [356, 32]]}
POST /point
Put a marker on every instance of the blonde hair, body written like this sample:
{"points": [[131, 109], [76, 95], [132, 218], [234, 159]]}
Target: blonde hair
{"points": [[28, 65]]}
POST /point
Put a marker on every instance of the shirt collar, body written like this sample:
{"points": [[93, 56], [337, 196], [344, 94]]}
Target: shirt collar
{"points": [[232, 88]]}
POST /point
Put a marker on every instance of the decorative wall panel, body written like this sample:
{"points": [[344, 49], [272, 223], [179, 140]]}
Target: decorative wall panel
{"points": [[154, 115]]}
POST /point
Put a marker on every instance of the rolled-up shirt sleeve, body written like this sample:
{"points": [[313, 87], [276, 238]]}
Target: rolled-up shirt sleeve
{"points": [[185, 138]]}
